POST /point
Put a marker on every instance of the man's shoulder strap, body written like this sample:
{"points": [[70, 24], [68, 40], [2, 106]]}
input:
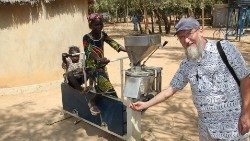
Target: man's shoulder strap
{"points": [[225, 60]]}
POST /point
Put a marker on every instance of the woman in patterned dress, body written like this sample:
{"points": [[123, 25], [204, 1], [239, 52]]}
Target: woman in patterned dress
{"points": [[93, 43]]}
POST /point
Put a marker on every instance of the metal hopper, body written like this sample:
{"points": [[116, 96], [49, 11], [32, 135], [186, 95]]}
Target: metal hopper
{"points": [[140, 47]]}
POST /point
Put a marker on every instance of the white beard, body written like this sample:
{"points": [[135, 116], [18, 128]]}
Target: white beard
{"points": [[194, 52]]}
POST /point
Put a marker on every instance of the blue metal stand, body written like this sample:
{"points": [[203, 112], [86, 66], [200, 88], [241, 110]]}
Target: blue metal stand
{"points": [[113, 112], [239, 5]]}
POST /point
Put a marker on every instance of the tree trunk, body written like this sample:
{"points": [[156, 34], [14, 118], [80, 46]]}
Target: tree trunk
{"points": [[152, 22], [170, 18], [116, 15], [127, 11], [202, 13], [139, 23], [146, 19], [140, 15], [190, 12], [165, 20], [159, 19]]}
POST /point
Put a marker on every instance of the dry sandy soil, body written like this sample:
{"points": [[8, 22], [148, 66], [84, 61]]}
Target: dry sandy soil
{"points": [[24, 116]]}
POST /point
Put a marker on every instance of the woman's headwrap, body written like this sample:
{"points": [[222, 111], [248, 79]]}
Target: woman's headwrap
{"points": [[93, 17]]}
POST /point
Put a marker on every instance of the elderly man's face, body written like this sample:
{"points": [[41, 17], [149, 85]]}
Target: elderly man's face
{"points": [[191, 40], [188, 37]]}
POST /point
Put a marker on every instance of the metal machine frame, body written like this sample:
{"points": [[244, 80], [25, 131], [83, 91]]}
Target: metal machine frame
{"points": [[115, 118]]}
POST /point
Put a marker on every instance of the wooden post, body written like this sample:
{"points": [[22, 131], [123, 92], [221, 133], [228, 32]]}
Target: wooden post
{"points": [[122, 80], [202, 10]]}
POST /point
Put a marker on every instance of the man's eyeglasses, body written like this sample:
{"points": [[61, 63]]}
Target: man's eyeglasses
{"points": [[186, 34]]}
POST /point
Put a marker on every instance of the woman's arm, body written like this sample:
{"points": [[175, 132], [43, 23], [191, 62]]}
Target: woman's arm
{"points": [[113, 43]]}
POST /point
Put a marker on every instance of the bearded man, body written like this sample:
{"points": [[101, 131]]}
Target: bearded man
{"points": [[223, 105]]}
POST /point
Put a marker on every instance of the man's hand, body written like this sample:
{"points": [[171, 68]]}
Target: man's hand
{"points": [[165, 94], [244, 122], [137, 106]]}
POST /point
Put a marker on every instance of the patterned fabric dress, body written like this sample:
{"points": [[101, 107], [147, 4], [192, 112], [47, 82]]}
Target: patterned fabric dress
{"points": [[97, 70]]}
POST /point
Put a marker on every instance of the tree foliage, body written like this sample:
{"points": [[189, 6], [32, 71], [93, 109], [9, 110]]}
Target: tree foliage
{"points": [[162, 9], [170, 6]]}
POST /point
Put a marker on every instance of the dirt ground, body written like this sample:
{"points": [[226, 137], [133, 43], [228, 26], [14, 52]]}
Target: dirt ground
{"points": [[24, 116]]}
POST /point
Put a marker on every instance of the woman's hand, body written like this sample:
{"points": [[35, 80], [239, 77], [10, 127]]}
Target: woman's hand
{"points": [[122, 48], [103, 60]]}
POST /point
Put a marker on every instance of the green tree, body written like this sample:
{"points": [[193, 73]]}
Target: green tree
{"points": [[164, 10]]}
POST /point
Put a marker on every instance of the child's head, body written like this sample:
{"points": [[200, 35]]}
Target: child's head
{"points": [[73, 50], [95, 22]]}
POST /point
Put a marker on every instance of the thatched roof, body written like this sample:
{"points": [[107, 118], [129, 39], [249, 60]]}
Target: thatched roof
{"points": [[32, 1], [15, 0], [23, 1]]}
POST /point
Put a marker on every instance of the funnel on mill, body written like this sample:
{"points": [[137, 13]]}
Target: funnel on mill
{"points": [[140, 47]]}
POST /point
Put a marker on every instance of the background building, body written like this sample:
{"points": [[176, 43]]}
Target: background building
{"points": [[33, 35]]}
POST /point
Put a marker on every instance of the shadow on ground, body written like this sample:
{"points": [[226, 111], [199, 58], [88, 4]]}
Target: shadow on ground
{"points": [[18, 124], [176, 120]]}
